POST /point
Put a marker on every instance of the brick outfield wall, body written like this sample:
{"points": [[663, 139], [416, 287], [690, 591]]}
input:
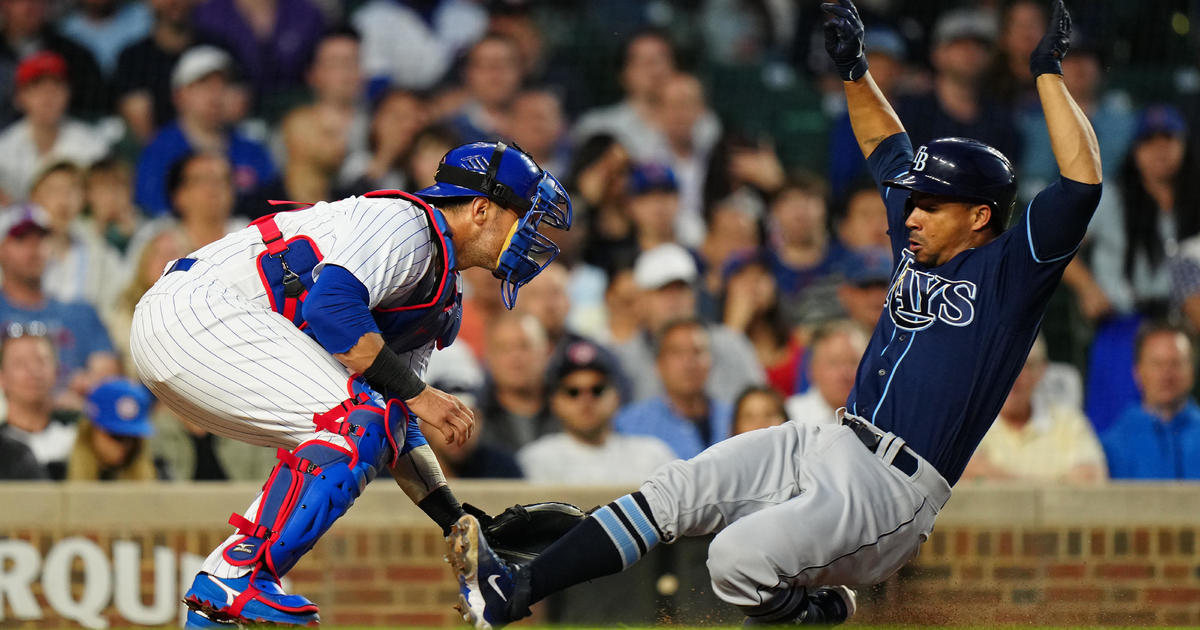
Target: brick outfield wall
{"points": [[1117, 555]]}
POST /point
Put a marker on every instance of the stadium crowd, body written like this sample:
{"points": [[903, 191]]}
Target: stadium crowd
{"points": [[728, 259]]}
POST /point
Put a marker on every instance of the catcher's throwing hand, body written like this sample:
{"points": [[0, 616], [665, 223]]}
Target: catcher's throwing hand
{"points": [[445, 412], [522, 532], [844, 39], [1047, 57]]}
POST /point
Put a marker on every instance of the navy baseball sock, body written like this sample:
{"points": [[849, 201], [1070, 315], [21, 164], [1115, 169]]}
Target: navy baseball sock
{"points": [[609, 541]]}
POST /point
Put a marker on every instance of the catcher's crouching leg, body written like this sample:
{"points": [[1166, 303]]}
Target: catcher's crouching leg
{"points": [[310, 488]]}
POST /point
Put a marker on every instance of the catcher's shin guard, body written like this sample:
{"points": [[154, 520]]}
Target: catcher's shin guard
{"points": [[315, 483]]}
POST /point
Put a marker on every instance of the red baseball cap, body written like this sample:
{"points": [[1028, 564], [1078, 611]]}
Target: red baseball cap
{"points": [[40, 65], [24, 220]]}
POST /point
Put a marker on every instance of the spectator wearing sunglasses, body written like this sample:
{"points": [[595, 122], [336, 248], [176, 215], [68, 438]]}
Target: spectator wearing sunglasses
{"points": [[583, 397]]}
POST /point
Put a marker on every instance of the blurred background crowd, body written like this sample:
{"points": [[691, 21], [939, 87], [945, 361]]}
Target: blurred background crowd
{"points": [[729, 256]]}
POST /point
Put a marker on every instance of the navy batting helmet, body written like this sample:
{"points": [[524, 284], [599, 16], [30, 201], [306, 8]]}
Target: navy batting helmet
{"points": [[963, 169], [510, 177]]}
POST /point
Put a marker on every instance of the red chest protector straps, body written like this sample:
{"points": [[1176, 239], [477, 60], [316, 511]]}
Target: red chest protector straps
{"points": [[294, 289]]}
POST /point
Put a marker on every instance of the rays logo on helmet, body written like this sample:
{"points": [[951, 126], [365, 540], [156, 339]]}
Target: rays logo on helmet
{"points": [[917, 299], [920, 158]]}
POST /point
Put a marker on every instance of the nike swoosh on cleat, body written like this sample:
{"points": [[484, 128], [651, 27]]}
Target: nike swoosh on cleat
{"points": [[496, 587]]}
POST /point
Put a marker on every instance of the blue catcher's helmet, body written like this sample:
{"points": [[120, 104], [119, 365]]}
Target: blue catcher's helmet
{"points": [[510, 177], [964, 169]]}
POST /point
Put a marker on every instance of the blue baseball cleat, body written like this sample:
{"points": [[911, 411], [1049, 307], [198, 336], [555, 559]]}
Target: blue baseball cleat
{"points": [[254, 598], [487, 585], [197, 620]]}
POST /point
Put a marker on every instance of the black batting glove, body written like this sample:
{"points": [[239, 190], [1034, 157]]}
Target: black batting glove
{"points": [[1047, 57], [844, 39]]}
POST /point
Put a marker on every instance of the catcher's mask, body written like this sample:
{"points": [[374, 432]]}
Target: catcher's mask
{"points": [[511, 178]]}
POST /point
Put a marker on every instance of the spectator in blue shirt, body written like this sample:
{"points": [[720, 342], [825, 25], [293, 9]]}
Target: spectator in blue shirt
{"points": [[1160, 438], [199, 82], [684, 417], [85, 353]]}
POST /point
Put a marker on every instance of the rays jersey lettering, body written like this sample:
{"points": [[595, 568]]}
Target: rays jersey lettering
{"points": [[917, 298]]}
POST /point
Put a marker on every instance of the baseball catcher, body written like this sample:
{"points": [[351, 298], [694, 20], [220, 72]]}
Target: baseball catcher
{"points": [[309, 331]]}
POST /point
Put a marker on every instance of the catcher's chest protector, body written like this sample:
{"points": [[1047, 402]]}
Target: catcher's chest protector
{"points": [[436, 311]]}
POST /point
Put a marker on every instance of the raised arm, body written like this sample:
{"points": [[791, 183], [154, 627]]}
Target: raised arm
{"points": [[871, 116], [1071, 135]]}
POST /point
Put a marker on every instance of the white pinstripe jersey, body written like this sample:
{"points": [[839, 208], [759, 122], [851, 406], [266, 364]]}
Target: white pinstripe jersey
{"points": [[385, 242]]}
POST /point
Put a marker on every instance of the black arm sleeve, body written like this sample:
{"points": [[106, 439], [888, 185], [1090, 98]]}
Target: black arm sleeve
{"points": [[389, 376], [442, 506]]}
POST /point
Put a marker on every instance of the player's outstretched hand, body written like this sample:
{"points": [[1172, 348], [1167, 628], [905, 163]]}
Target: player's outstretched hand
{"points": [[1047, 57], [844, 39], [444, 412]]}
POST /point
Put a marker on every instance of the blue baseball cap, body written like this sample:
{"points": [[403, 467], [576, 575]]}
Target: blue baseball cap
{"points": [[870, 266], [1160, 119], [121, 407], [886, 41], [647, 178]]}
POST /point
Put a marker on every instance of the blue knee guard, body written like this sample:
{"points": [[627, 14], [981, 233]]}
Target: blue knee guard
{"points": [[315, 483]]}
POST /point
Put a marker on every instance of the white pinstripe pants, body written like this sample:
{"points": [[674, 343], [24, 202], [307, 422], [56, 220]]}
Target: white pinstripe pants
{"points": [[233, 367]]}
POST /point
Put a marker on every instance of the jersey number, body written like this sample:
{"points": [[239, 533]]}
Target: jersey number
{"points": [[919, 159]]}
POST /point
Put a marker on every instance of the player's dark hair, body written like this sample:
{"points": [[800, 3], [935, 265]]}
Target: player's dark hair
{"points": [[671, 326], [751, 390], [1159, 326], [1141, 211], [451, 204]]}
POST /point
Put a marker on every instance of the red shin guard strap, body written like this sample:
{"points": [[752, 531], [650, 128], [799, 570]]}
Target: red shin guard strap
{"points": [[249, 528], [298, 464]]}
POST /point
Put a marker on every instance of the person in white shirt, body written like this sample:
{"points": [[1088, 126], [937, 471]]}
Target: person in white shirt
{"points": [[834, 352], [45, 133], [584, 398], [1038, 436], [82, 266]]}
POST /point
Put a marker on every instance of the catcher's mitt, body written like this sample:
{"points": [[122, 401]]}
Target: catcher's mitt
{"points": [[521, 532]]}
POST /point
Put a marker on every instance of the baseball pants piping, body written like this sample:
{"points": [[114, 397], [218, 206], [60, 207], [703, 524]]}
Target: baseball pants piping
{"points": [[797, 505]]}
